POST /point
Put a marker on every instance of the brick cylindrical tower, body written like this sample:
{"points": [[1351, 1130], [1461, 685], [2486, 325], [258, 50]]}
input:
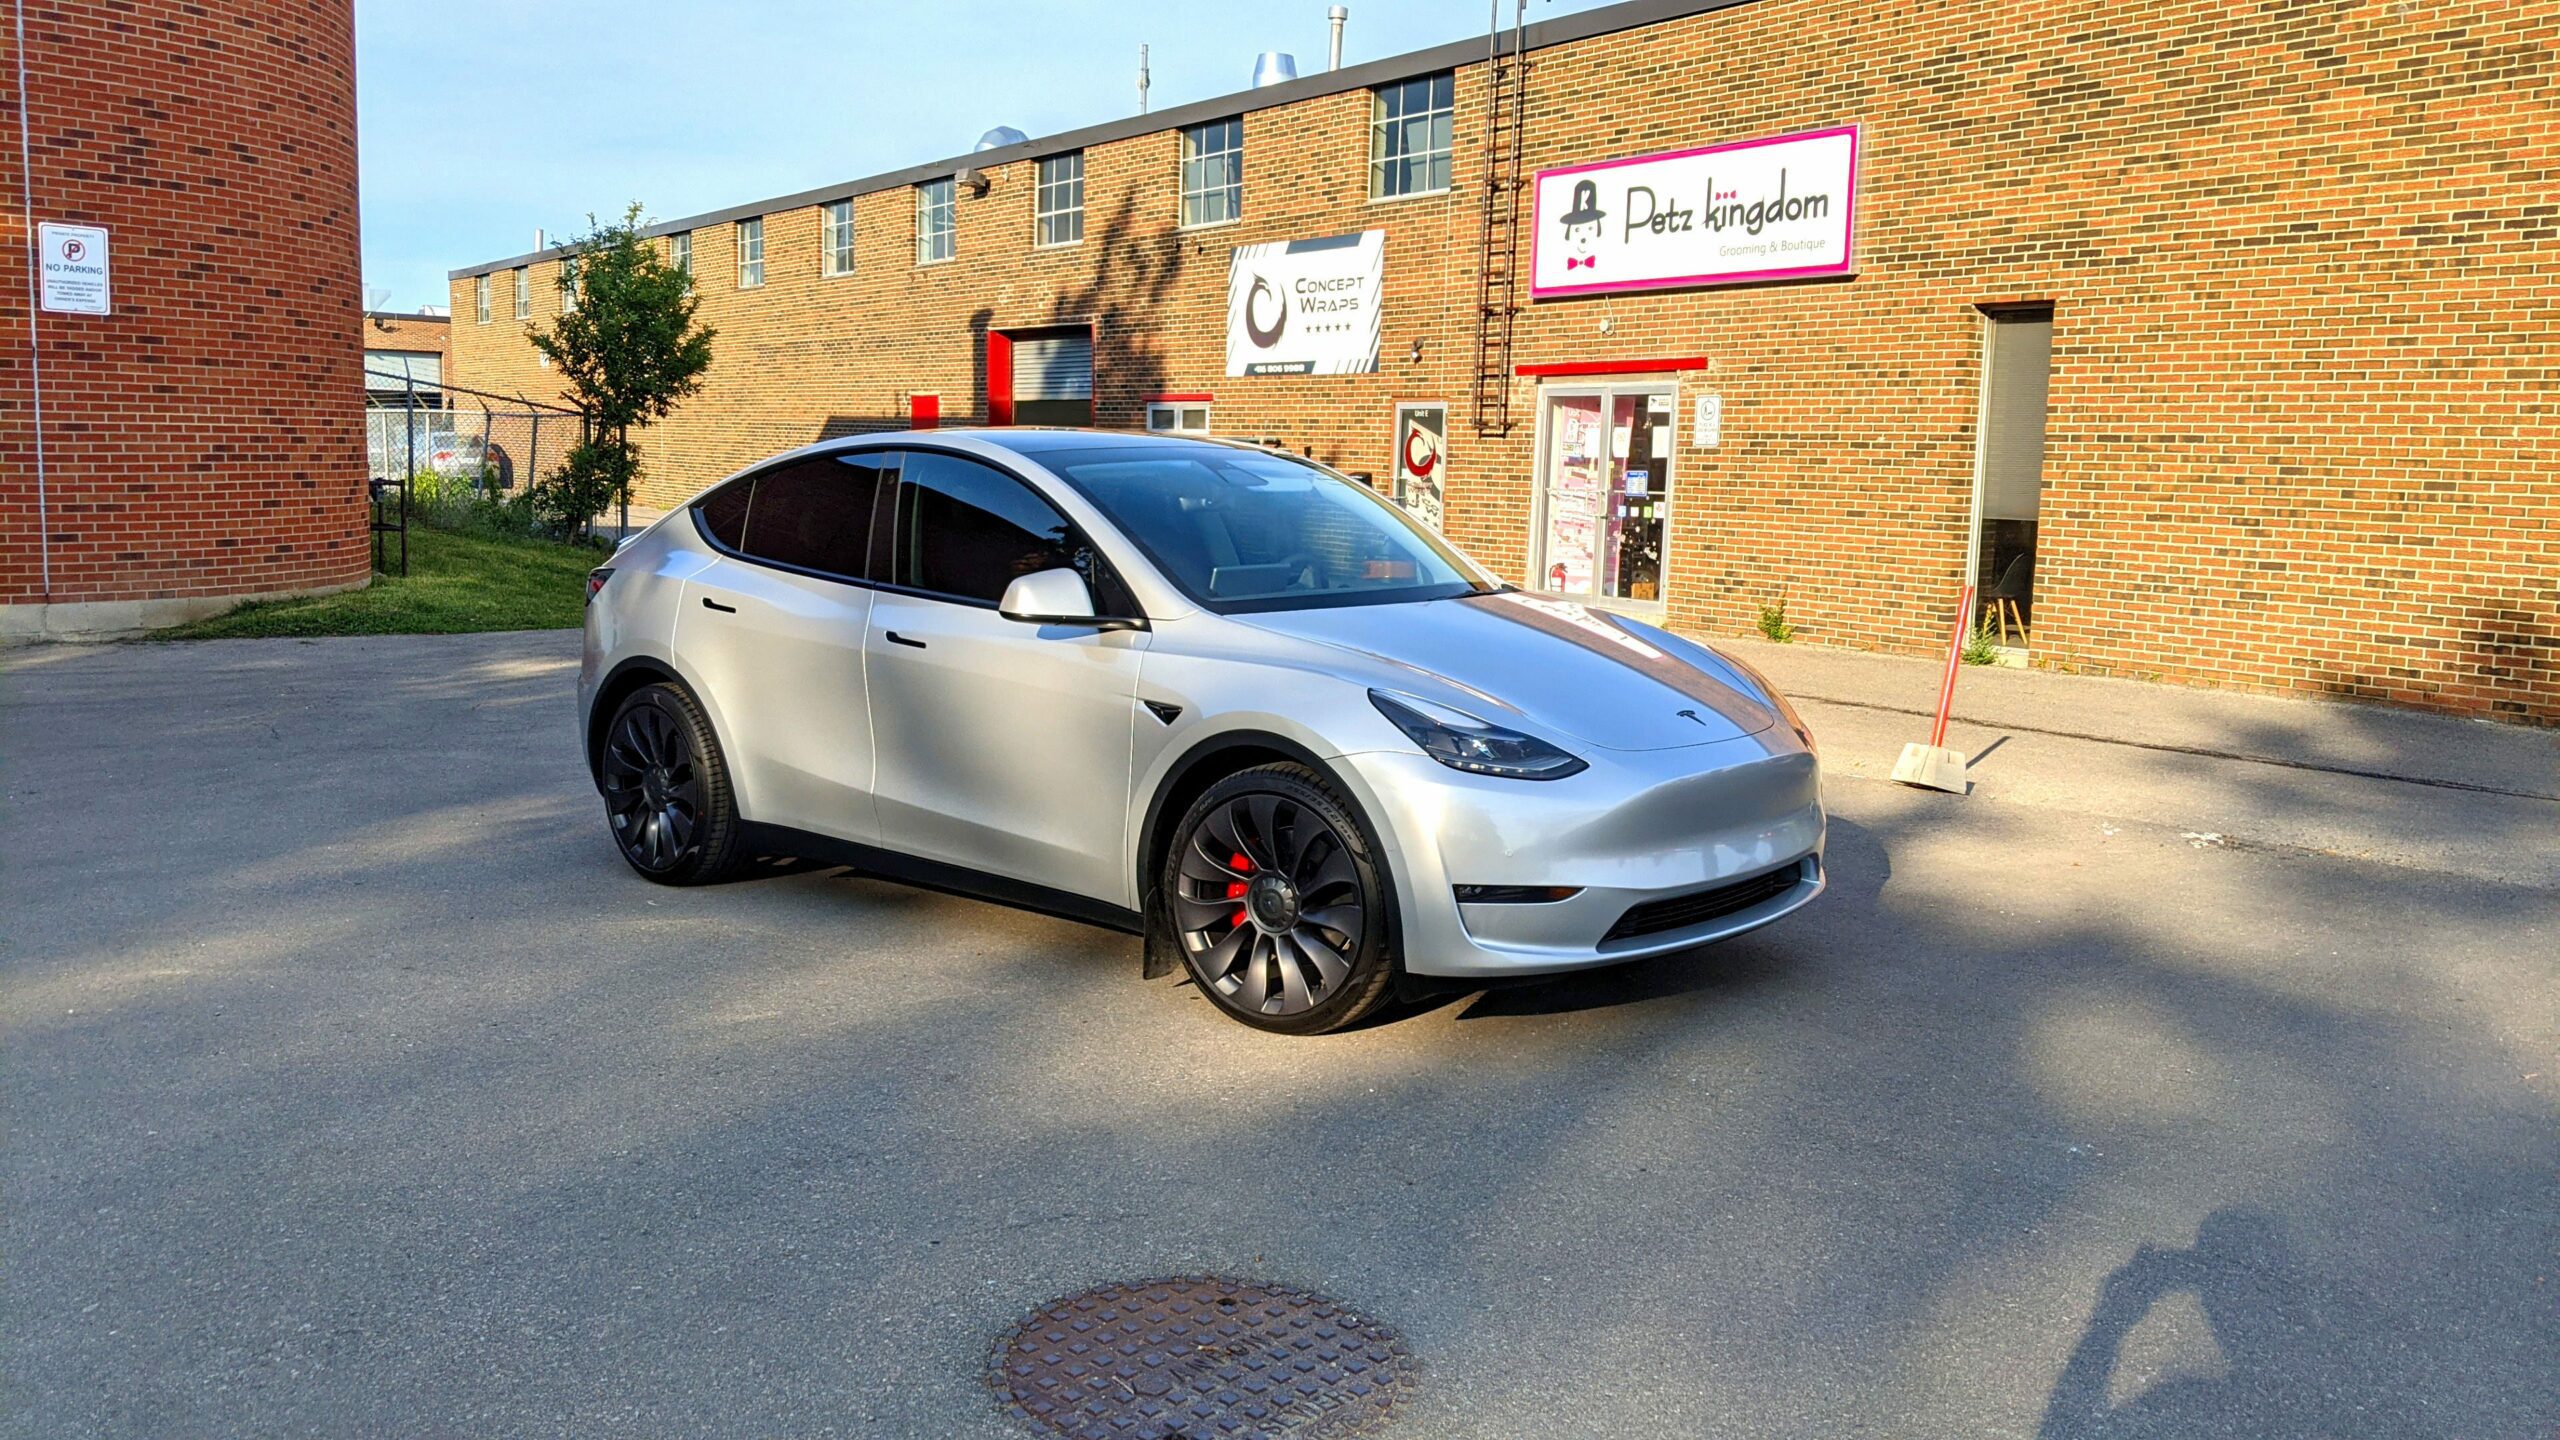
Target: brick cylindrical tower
{"points": [[202, 440]]}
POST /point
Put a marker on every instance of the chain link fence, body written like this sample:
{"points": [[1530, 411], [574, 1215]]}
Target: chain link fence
{"points": [[448, 438]]}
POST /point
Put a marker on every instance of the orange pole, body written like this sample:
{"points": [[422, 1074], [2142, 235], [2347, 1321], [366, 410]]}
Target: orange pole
{"points": [[1955, 657]]}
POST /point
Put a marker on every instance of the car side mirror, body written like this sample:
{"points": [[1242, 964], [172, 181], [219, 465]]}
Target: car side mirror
{"points": [[1048, 597]]}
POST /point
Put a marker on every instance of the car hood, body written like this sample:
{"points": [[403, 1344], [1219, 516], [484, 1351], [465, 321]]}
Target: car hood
{"points": [[1566, 670]]}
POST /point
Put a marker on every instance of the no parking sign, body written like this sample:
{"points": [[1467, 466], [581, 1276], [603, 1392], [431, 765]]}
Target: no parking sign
{"points": [[74, 260]]}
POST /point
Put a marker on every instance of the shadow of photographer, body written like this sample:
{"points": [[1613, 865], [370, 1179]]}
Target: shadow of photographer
{"points": [[2282, 1360]]}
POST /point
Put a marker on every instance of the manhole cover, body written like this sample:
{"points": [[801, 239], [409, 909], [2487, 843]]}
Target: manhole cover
{"points": [[1201, 1357]]}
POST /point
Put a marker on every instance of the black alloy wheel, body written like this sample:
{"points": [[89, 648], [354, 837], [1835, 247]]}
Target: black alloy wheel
{"points": [[666, 791], [1277, 904]]}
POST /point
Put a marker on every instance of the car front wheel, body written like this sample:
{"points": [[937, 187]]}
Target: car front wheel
{"points": [[666, 789], [1278, 904]]}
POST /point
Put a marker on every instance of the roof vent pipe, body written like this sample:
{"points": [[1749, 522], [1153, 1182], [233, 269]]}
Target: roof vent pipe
{"points": [[1338, 14], [1273, 67]]}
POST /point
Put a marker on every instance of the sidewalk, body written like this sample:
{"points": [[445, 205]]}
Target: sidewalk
{"points": [[2214, 767], [2343, 736]]}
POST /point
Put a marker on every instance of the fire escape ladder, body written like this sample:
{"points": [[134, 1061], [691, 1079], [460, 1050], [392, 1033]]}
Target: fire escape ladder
{"points": [[1498, 249]]}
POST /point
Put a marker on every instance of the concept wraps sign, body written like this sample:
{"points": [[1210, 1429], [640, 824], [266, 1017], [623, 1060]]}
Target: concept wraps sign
{"points": [[1776, 209], [1306, 307]]}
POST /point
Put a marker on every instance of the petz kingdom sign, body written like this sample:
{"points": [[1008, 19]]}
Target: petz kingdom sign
{"points": [[1778, 209]]}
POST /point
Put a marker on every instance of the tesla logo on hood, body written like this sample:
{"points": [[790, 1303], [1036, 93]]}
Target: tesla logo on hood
{"points": [[1264, 339]]}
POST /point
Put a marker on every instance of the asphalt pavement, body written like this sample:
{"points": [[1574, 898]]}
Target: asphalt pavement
{"points": [[353, 1087]]}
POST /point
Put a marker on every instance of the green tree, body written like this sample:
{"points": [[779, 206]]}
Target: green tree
{"points": [[629, 350]]}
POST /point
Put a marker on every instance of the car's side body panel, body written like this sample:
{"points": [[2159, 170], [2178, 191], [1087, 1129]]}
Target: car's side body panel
{"points": [[1010, 741], [636, 618], [784, 651]]}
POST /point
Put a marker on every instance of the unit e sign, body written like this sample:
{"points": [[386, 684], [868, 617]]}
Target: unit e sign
{"points": [[1777, 209], [74, 262]]}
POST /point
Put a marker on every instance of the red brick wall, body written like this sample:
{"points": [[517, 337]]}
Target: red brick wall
{"points": [[2300, 257], [206, 438]]}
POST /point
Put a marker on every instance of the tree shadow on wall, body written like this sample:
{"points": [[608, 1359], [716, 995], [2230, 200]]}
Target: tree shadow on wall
{"points": [[2505, 644], [1134, 270]]}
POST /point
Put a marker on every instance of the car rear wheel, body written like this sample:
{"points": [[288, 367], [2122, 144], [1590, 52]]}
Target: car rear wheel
{"points": [[1277, 903], [666, 790]]}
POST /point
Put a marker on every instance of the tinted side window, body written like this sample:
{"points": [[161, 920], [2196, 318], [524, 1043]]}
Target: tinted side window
{"points": [[816, 514], [724, 511], [968, 530]]}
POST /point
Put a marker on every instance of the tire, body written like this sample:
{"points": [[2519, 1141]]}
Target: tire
{"points": [[1277, 904], [666, 789]]}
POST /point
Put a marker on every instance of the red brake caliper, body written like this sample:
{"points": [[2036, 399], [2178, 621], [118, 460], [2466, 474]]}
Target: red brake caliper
{"points": [[1236, 888]]}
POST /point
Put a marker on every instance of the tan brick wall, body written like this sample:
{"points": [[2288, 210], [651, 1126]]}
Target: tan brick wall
{"points": [[207, 438], [426, 334], [2300, 257]]}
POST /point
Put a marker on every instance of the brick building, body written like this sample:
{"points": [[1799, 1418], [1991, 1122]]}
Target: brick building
{"points": [[405, 355], [2215, 342], [187, 433]]}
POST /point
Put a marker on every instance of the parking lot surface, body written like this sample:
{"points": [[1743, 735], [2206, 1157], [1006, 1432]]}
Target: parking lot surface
{"points": [[354, 1087]]}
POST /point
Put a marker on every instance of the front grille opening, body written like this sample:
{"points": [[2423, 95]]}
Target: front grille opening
{"points": [[1515, 894], [1656, 917]]}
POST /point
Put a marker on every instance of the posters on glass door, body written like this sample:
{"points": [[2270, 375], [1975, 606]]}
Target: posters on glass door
{"points": [[1422, 449], [1573, 496]]}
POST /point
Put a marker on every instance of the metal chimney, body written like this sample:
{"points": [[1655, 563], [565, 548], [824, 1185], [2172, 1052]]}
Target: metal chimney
{"points": [[1273, 67], [1337, 15]]}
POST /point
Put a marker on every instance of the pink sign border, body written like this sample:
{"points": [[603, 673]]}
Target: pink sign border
{"points": [[1846, 266]]}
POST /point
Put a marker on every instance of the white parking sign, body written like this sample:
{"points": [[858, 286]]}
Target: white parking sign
{"points": [[75, 268]]}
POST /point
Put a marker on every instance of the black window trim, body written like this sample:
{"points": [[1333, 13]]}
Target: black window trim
{"points": [[871, 552], [878, 563], [1075, 532]]}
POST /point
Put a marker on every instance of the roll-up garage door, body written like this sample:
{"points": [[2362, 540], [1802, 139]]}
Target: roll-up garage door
{"points": [[1053, 367]]}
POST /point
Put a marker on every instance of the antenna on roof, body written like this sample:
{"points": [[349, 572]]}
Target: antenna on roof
{"points": [[1142, 79]]}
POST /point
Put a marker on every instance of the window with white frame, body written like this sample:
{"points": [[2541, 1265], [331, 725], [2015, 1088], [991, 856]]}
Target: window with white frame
{"points": [[568, 283], [680, 255], [480, 299], [1058, 203], [524, 293], [933, 221], [836, 237], [1167, 417], [1213, 172], [1409, 136], [750, 253]]}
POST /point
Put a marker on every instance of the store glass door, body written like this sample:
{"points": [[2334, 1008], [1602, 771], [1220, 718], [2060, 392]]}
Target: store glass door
{"points": [[1605, 493]]}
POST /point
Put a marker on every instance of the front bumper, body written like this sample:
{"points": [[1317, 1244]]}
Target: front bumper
{"points": [[1637, 827]]}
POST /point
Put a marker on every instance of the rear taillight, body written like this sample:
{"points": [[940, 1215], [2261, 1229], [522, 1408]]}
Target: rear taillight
{"points": [[596, 579]]}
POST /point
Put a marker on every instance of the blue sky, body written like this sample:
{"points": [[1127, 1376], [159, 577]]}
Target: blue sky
{"points": [[482, 119]]}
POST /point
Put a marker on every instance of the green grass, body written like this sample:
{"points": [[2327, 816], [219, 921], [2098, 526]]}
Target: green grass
{"points": [[456, 584]]}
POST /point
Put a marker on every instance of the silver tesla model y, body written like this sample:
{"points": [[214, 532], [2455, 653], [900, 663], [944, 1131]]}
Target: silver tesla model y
{"points": [[1203, 692]]}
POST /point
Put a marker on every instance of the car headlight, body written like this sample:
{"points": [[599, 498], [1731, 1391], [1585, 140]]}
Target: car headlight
{"points": [[1463, 742]]}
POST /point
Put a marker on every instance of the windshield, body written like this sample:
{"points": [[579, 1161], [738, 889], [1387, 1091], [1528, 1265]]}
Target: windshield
{"points": [[1240, 530]]}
